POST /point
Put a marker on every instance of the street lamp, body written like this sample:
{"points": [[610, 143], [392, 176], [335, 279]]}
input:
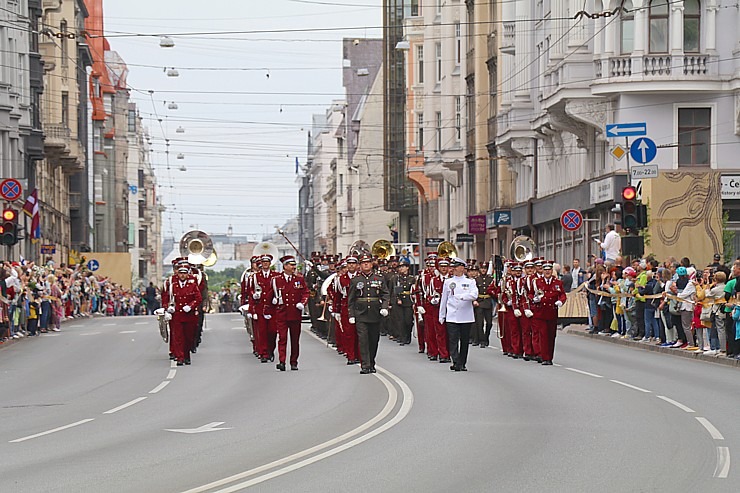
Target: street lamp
{"points": [[172, 72], [180, 130], [166, 42]]}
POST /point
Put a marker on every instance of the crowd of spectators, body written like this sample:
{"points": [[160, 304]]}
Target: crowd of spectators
{"points": [[673, 303], [37, 298]]}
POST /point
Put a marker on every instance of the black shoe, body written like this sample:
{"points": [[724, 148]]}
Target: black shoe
{"points": [[538, 359], [516, 356], [527, 357], [547, 363], [445, 360], [187, 361], [365, 371], [421, 351], [272, 358], [454, 368], [263, 360], [180, 363], [401, 343], [294, 367], [505, 353], [373, 370], [280, 366], [463, 369], [350, 362], [432, 358], [194, 350], [172, 357]]}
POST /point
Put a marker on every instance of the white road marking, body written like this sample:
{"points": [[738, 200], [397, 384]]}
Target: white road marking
{"points": [[127, 332], [408, 400], [75, 326], [159, 387], [202, 429], [723, 462], [141, 323], [51, 335], [171, 374], [239, 328], [675, 403], [236, 320], [49, 432], [631, 386], [89, 333], [710, 428], [173, 364], [124, 406], [585, 373], [555, 364], [109, 325]]}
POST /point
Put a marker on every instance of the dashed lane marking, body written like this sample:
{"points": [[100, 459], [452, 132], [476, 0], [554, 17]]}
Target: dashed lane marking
{"points": [[710, 428], [171, 374], [584, 373], [159, 387], [640, 389], [49, 432], [109, 325], [89, 333], [723, 462], [676, 403], [124, 406], [141, 323], [127, 332]]}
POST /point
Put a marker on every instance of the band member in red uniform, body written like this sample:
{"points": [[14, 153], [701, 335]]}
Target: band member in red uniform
{"points": [[183, 301], [549, 297], [341, 312], [291, 293], [420, 297], [246, 281], [261, 295], [517, 313], [431, 299], [528, 339], [440, 328]]}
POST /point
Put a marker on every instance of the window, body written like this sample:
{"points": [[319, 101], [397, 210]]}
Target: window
{"points": [[691, 25], [65, 108], [658, 19], [694, 136], [420, 131], [63, 43], [420, 64], [141, 179], [438, 7], [472, 202], [627, 29], [132, 120], [415, 8], [142, 268], [438, 64], [340, 188], [142, 238], [142, 208], [458, 118], [438, 120], [340, 145], [458, 44]]}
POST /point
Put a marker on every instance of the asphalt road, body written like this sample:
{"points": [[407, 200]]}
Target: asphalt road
{"points": [[94, 407]]}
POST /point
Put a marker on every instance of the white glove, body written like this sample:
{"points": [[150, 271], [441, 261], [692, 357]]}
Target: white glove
{"points": [[168, 316], [299, 306], [274, 301], [537, 299], [243, 309], [441, 320], [421, 310], [337, 316], [309, 265], [268, 317], [186, 308], [159, 311], [171, 309], [558, 303], [255, 316], [517, 312], [352, 320], [421, 318], [508, 303], [256, 296], [528, 313], [384, 312]]}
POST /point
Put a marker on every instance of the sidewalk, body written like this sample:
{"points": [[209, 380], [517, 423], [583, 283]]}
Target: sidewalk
{"points": [[582, 331], [11, 342]]}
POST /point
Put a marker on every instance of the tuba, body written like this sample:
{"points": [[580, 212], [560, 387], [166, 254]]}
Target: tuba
{"points": [[197, 247], [359, 248], [446, 249], [383, 249], [164, 328], [522, 248], [267, 248]]}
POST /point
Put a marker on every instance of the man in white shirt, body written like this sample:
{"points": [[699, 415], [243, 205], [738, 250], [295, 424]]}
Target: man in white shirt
{"points": [[456, 309], [611, 244]]}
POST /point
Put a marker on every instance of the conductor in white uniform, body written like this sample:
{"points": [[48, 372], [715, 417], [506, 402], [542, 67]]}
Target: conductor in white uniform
{"points": [[456, 309]]}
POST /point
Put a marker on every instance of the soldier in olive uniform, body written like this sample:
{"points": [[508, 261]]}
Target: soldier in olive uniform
{"points": [[483, 306], [368, 305], [402, 314]]}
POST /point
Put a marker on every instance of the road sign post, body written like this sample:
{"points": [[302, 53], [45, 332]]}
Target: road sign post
{"points": [[571, 220], [643, 150], [11, 189]]}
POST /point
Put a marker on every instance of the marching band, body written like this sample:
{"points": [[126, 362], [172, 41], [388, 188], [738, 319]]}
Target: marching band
{"points": [[354, 300]]}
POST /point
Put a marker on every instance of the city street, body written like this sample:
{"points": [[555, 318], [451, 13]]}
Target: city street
{"points": [[99, 407]]}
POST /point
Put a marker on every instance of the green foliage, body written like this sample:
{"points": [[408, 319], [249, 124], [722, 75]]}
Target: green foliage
{"points": [[728, 239], [226, 278]]}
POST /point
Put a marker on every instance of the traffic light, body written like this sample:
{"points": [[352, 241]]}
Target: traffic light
{"points": [[629, 209], [9, 227]]}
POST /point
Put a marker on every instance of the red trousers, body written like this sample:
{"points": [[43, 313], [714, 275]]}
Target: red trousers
{"points": [[420, 325], [431, 319], [182, 334], [546, 331], [443, 346], [502, 332], [349, 335], [285, 327], [264, 336], [513, 332], [527, 336]]}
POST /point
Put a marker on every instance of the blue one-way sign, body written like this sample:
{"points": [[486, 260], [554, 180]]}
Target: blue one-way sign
{"points": [[626, 129], [643, 150]]}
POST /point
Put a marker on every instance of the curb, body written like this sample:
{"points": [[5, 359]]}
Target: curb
{"points": [[656, 349], [12, 342]]}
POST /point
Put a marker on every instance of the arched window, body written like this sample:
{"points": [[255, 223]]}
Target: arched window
{"points": [[658, 17], [627, 29], [691, 25]]}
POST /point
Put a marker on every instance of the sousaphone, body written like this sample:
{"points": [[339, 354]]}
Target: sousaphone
{"points": [[383, 249], [198, 248], [267, 248]]}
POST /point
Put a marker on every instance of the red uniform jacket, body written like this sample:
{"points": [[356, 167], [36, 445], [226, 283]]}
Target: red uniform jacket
{"points": [[264, 305], [186, 294], [552, 291], [339, 292], [289, 292]]}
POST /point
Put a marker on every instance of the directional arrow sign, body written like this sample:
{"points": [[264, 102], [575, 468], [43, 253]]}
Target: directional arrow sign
{"points": [[643, 150], [626, 129], [202, 429]]}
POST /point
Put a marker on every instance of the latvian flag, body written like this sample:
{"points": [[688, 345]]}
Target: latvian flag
{"points": [[31, 207]]}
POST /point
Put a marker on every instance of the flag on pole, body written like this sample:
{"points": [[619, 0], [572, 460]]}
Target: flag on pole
{"points": [[296, 165], [31, 207]]}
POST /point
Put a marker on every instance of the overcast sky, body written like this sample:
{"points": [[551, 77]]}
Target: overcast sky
{"points": [[239, 149]]}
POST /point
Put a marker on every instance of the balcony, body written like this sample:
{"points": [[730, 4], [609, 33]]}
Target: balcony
{"points": [[56, 137], [509, 38]]}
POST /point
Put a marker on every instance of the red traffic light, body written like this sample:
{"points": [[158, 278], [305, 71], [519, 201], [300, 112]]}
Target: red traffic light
{"points": [[629, 193], [9, 215]]}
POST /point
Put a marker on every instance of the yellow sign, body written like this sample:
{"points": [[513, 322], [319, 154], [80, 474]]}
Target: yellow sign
{"points": [[618, 152]]}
